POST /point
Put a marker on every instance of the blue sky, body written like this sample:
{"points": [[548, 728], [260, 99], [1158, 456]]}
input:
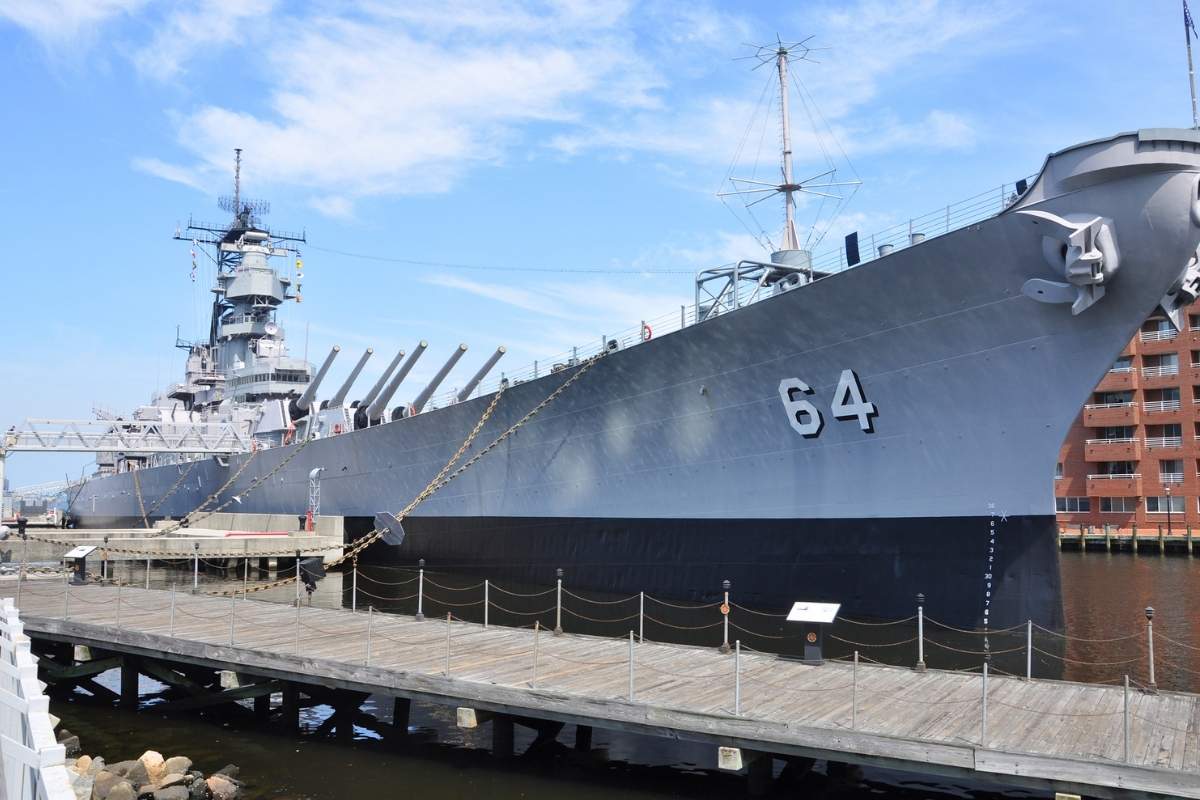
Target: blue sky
{"points": [[582, 134]]}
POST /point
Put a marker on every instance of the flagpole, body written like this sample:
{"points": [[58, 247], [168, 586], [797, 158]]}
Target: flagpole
{"points": [[1188, 26]]}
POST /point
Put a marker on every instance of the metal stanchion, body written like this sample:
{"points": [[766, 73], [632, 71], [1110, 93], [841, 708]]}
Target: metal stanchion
{"points": [[354, 584], [297, 629], [983, 719], [737, 678], [118, 606], [104, 561], [420, 590], [631, 666], [297, 579], [1125, 718], [171, 629], [232, 616], [641, 616], [446, 672], [147, 572], [537, 629], [1029, 650], [486, 602], [920, 632], [195, 565], [66, 596], [724, 648], [1153, 687], [558, 605], [245, 577], [370, 627], [854, 694]]}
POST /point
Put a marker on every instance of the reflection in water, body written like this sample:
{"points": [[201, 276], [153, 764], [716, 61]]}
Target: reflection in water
{"points": [[1104, 598]]}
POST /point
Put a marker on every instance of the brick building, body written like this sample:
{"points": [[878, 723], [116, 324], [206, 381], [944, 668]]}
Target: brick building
{"points": [[1133, 455]]}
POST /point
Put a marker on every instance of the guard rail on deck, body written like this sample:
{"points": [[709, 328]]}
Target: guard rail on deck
{"points": [[32, 762]]}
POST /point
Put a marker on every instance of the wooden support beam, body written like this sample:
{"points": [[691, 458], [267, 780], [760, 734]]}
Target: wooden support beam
{"points": [[97, 690], [129, 682], [401, 711], [262, 706], [209, 699], [165, 674], [291, 706], [583, 738], [502, 737], [55, 673], [759, 774]]}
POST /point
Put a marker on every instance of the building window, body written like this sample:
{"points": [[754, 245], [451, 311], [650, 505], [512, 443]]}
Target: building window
{"points": [[1159, 505], [1125, 363], [1072, 505], [1114, 398], [1121, 505], [1122, 432], [1058, 473], [1170, 470], [1118, 468]]}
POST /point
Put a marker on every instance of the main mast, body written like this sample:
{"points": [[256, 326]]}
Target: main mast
{"points": [[790, 240]]}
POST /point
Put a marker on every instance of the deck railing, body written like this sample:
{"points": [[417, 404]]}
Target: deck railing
{"points": [[1159, 336], [1164, 441], [1160, 371], [1161, 405]]}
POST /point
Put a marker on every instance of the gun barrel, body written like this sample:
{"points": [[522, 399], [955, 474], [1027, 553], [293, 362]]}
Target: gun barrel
{"points": [[375, 410], [304, 402], [428, 391], [383, 379], [340, 397], [481, 374]]}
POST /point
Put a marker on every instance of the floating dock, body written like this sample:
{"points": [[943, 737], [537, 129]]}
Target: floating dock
{"points": [[753, 708]]}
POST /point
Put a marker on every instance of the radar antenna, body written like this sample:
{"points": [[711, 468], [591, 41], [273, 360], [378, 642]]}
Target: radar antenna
{"points": [[247, 212], [823, 184]]}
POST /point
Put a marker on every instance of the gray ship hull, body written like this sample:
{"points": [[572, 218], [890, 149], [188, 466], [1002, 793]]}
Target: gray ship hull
{"points": [[674, 464]]}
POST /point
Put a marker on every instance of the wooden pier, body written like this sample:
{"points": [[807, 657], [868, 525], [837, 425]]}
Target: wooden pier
{"points": [[1108, 538], [1102, 741]]}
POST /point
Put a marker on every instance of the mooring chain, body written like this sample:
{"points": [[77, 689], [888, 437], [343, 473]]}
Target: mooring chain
{"points": [[137, 489], [179, 482], [442, 479], [187, 518]]}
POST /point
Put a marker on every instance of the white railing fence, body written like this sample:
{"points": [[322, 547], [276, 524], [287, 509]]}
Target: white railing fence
{"points": [[32, 762]]}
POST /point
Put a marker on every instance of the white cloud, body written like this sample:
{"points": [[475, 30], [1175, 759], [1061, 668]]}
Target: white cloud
{"points": [[195, 26], [59, 22]]}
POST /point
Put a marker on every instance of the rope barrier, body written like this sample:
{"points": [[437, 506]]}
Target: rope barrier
{"points": [[735, 626], [600, 602], [448, 604], [684, 607], [756, 613], [522, 594], [877, 624], [683, 627], [595, 619], [865, 644], [1088, 663], [494, 604], [1082, 639], [974, 652], [432, 582], [975, 631], [1177, 642], [364, 576]]}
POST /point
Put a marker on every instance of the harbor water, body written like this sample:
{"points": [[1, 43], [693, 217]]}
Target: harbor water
{"points": [[1104, 595]]}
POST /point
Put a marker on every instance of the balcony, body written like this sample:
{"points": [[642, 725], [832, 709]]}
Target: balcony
{"points": [[1160, 406], [1163, 442], [1170, 477], [1114, 485], [1105, 415], [1118, 380], [1112, 449], [1159, 336]]}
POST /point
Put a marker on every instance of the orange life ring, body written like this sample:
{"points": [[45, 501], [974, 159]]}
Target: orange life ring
{"points": [[725, 609], [337, 428], [647, 332]]}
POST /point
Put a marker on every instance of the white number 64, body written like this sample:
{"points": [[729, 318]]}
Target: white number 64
{"points": [[849, 402]]}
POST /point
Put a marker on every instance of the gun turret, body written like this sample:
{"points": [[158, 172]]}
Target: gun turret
{"points": [[300, 406], [428, 391], [376, 409], [479, 376], [340, 397]]}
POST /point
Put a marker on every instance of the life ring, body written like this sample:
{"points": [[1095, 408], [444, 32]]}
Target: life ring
{"points": [[337, 429], [647, 332], [725, 609]]}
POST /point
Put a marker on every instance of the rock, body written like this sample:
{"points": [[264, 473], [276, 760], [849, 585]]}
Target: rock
{"points": [[137, 774], [122, 791], [174, 779], [70, 741], [103, 784], [122, 767], [153, 761], [96, 767], [221, 787], [83, 787], [200, 790], [173, 793], [229, 771], [179, 764], [81, 764]]}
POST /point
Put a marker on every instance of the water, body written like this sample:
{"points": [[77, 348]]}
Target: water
{"points": [[1104, 598]]}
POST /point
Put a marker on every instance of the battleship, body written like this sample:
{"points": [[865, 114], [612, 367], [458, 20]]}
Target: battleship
{"points": [[859, 427]]}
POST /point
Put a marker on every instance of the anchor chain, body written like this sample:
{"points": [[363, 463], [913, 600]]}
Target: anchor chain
{"points": [[137, 489], [442, 478], [171, 491]]}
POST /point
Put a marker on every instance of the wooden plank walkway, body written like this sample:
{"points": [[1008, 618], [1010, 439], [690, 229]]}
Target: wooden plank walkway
{"points": [[1041, 734]]}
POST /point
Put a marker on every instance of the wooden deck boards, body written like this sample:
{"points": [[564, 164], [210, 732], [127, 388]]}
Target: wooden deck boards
{"points": [[902, 716]]}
